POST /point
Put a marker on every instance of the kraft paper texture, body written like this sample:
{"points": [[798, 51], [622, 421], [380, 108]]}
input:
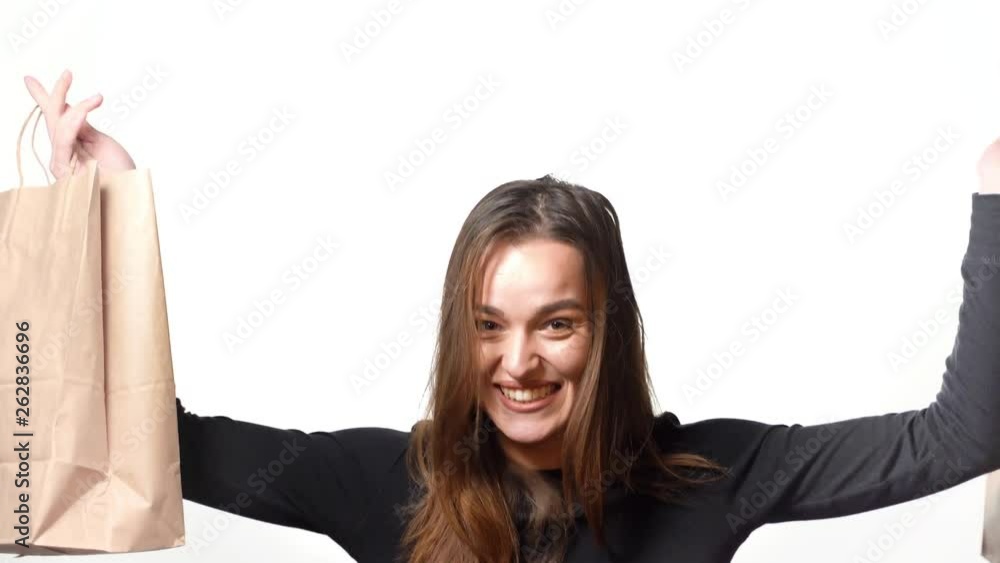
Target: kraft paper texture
{"points": [[81, 284]]}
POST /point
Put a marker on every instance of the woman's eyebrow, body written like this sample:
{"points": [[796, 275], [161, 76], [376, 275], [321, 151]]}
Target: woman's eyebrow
{"points": [[568, 303]]}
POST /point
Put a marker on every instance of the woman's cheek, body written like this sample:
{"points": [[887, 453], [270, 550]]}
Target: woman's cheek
{"points": [[572, 356]]}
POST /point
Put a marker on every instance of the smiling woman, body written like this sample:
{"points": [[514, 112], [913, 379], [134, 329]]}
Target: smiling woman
{"points": [[560, 373], [534, 359], [541, 442]]}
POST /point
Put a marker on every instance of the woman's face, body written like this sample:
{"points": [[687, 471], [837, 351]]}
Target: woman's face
{"points": [[535, 338]]}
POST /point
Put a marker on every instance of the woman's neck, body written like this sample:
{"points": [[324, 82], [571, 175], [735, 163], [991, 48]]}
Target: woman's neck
{"points": [[537, 456]]}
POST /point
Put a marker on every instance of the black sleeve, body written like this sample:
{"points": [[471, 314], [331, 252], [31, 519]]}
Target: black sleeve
{"points": [[826, 470], [318, 481]]}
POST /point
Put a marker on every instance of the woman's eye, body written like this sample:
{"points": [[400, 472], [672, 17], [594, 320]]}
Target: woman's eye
{"points": [[556, 324], [564, 322]]}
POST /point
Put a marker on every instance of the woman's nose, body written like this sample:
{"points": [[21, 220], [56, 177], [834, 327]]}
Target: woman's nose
{"points": [[520, 357]]}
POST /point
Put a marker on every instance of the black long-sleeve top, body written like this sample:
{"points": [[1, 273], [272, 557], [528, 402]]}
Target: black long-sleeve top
{"points": [[347, 484]]}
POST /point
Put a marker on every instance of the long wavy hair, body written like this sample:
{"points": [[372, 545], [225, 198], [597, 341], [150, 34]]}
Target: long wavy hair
{"points": [[470, 506]]}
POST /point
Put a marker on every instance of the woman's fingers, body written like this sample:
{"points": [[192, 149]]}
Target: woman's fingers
{"points": [[66, 124], [37, 92], [77, 115], [58, 98], [43, 99], [53, 104], [64, 143]]}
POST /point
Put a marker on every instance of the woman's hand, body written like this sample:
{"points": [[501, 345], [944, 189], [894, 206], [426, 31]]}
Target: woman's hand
{"points": [[70, 133], [989, 169]]}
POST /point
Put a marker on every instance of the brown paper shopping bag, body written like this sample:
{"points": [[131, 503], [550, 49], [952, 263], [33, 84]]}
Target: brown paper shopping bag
{"points": [[91, 459], [991, 519]]}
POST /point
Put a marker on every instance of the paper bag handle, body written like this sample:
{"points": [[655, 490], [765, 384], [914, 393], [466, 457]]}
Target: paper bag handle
{"points": [[20, 140], [20, 137], [8, 219]]}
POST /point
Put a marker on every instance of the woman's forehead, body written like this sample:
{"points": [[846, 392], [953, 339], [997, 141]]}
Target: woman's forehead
{"points": [[540, 270]]}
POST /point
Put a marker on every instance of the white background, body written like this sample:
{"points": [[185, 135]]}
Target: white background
{"points": [[187, 83]]}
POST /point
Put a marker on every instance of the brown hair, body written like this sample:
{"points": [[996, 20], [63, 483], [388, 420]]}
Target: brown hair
{"points": [[469, 501]]}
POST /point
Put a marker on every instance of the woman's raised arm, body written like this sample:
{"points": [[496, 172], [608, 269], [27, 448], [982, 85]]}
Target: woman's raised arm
{"points": [[795, 472]]}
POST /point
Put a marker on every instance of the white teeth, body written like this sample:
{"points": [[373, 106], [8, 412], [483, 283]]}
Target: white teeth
{"points": [[527, 396]]}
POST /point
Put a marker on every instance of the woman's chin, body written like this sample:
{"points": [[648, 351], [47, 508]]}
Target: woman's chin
{"points": [[526, 434]]}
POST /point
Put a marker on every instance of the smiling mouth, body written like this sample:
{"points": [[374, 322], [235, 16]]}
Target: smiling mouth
{"points": [[528, 396]]}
